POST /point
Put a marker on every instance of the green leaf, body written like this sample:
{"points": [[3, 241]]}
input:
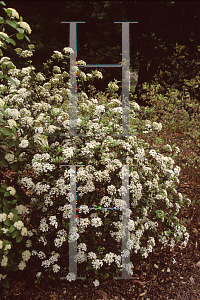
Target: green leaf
{"points": [[11, 143], [7, 222], [19, 238], [3, 163], [14, 130], [2, 3], [3, 112], [11, 23], [6, 252], [6, 194], [21, 19], [15, 218], [15, 234], [2, 190], [1, 20], [5, 202], [20, 30], [5, 283], [3, 186], [27, 38], [20, 36], [11, 80], [13, 210], [11, 41], [3, 121], [11, 65], [12, 228], [7, 131], [14, 167]]}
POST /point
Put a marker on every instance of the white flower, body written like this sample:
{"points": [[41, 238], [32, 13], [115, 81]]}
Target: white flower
{"points": [[3, 218], [3, 277], [157, 126], [68, 50], [21, 209], [53, 221], [24, 144], [109, 258], [4, 261], [10, 216], [6, 36], [38, 274], [57, 54], [71, 276], [135, 106], [22, 265], [96, 282], [14, 13], [97, 74], [8, 246], [24, 231], [40, 77], [12, 123], [56, 268], [25, 26], [113, 86], [96, 222], [2, 103], [28, 243], [26, 53], [10, 157], [81, 62], [97, 263], [92, 255], [26, 255], [1, 244], [11, 190], [19, 225]]}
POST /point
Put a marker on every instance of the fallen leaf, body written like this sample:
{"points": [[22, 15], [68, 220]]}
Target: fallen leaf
{"points": [[143, 293], [198, 264], [192, 280]]}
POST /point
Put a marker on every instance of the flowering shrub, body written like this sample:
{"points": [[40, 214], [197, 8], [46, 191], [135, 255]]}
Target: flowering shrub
{"points": [[40, 109], [34, 107]]}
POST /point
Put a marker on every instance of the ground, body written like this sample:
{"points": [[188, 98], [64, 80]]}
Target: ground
{"points": [[181, 282]]}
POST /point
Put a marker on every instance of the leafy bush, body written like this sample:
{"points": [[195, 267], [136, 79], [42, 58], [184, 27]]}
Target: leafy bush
{"points": [[177, 114], [35, 111], [40, 109]]}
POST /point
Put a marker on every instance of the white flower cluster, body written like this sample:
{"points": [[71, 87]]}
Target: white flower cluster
{"points": [[4, 261], [113, 86], [21, 209], [11, 190], [19, 225], [44, 166], [14, 13], [26, 255], [68, 50], [25, 26], [12, 112], [43, 225], [24, 143], [26, 53]]}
